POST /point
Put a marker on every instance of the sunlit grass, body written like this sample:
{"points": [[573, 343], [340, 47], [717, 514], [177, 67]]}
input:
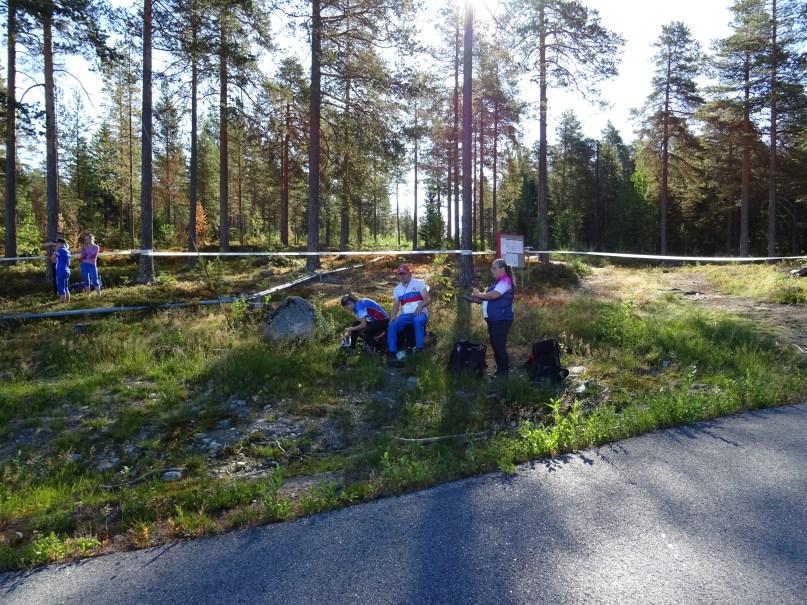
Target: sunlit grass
{"points": [[650, 361]]}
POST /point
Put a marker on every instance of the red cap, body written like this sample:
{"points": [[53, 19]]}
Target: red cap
{"points": [[404, 269]]}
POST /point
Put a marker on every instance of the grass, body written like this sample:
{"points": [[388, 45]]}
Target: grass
{"points": [[768, 283], [319, 430]]}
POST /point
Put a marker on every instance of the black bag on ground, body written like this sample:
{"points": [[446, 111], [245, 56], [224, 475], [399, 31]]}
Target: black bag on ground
{"points": [[544, 362], [468, 357]]}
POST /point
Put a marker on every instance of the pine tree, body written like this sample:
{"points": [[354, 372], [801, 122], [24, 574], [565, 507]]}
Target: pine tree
{"points": [[672, 100], [564, 41]]}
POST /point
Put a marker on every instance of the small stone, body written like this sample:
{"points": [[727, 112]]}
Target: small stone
{"points": [[107, 464], [214, 446], [76, 458], [172, 475], [223, 424], [666, 363], [153, 395], [131, 449], [576, 370], [581, 389]]}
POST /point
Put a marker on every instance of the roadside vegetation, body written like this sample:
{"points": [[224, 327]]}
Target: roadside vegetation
{"points": [[132, 430]]}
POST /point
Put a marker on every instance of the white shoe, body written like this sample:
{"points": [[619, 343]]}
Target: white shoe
{"points": [[400, 355]]}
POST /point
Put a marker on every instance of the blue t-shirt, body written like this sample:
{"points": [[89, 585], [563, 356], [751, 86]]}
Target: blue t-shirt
{"points": [[63, 260], [370, 309]]}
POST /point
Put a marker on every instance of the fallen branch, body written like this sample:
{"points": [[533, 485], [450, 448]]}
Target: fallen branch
{"points": [[442, 437]]}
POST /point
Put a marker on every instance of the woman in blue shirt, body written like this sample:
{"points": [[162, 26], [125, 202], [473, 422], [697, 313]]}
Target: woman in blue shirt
{"points": [[497, 309]]}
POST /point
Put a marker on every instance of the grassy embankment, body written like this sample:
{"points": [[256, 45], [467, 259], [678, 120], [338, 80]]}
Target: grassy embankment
{"points": [[133, 394]]}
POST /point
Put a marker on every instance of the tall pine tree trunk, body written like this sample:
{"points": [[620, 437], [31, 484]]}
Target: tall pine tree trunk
{"points": [[224, 155], [482, 233], [772, 176], [314, 136], [146, 274], [665, 161], [745, 176], [543, 191], [344, 210], [284, 190], [130, 117], [457, 137], [467, 264], [415, 212], [11, 135], [449, 189], [51, 134], [495, 215], [194, 163]]}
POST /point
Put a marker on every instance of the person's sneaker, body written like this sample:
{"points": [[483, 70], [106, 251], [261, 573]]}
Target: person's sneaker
{"points": [[345, 343], [400, 355]]}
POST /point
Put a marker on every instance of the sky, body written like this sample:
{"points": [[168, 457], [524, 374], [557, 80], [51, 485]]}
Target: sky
{"points": [[638, 21]]}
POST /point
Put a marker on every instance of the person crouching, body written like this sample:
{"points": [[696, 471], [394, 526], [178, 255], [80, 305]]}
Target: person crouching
{"points": [[371, 319]]}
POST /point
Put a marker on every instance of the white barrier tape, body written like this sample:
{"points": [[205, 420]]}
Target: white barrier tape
{"points": [[693, 259], [159, 253]]}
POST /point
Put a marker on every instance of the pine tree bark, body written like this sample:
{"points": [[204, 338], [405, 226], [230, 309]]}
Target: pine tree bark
{"points": [[665, 160], [51, 134], [146, 274], [495, 210], [543, 205], [482, 174], [466, 264], [772, 168], [745, 176], [224, 155], [284, 191], [11, 136], [415, 212], [194, 161], [457, 137], [344, 211], [314, 135]]}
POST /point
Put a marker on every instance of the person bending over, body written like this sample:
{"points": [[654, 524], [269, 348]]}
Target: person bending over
{"points": [[409, 307], [497, 309], [371, 319]]}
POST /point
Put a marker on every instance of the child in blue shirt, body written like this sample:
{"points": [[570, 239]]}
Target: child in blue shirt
{"points": [[60, 257]]}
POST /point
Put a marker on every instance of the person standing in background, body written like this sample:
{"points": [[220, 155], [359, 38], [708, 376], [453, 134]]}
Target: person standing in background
{"points": [[89, 263], [60, 257], [497, 310]]}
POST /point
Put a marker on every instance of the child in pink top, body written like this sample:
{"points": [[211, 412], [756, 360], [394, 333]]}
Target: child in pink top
{"points": [[89, 263]]}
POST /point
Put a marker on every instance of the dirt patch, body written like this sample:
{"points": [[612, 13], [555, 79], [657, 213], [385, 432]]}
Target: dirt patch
{"points": [[786, 323]]}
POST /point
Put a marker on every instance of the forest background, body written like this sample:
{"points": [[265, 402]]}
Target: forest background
{"points": [[718, 164]]}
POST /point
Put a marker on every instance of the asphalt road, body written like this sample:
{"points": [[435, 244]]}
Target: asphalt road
{"points": [[710, 513]]}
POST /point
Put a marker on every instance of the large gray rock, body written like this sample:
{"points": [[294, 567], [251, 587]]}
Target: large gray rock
{"points": [[294, 319]]}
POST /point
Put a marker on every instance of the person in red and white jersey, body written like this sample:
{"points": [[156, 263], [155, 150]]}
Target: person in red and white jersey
{"points": [[410, 302]]}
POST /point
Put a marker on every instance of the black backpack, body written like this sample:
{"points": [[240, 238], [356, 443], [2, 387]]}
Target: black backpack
{"points": [[544, 362], [468, 357]]}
